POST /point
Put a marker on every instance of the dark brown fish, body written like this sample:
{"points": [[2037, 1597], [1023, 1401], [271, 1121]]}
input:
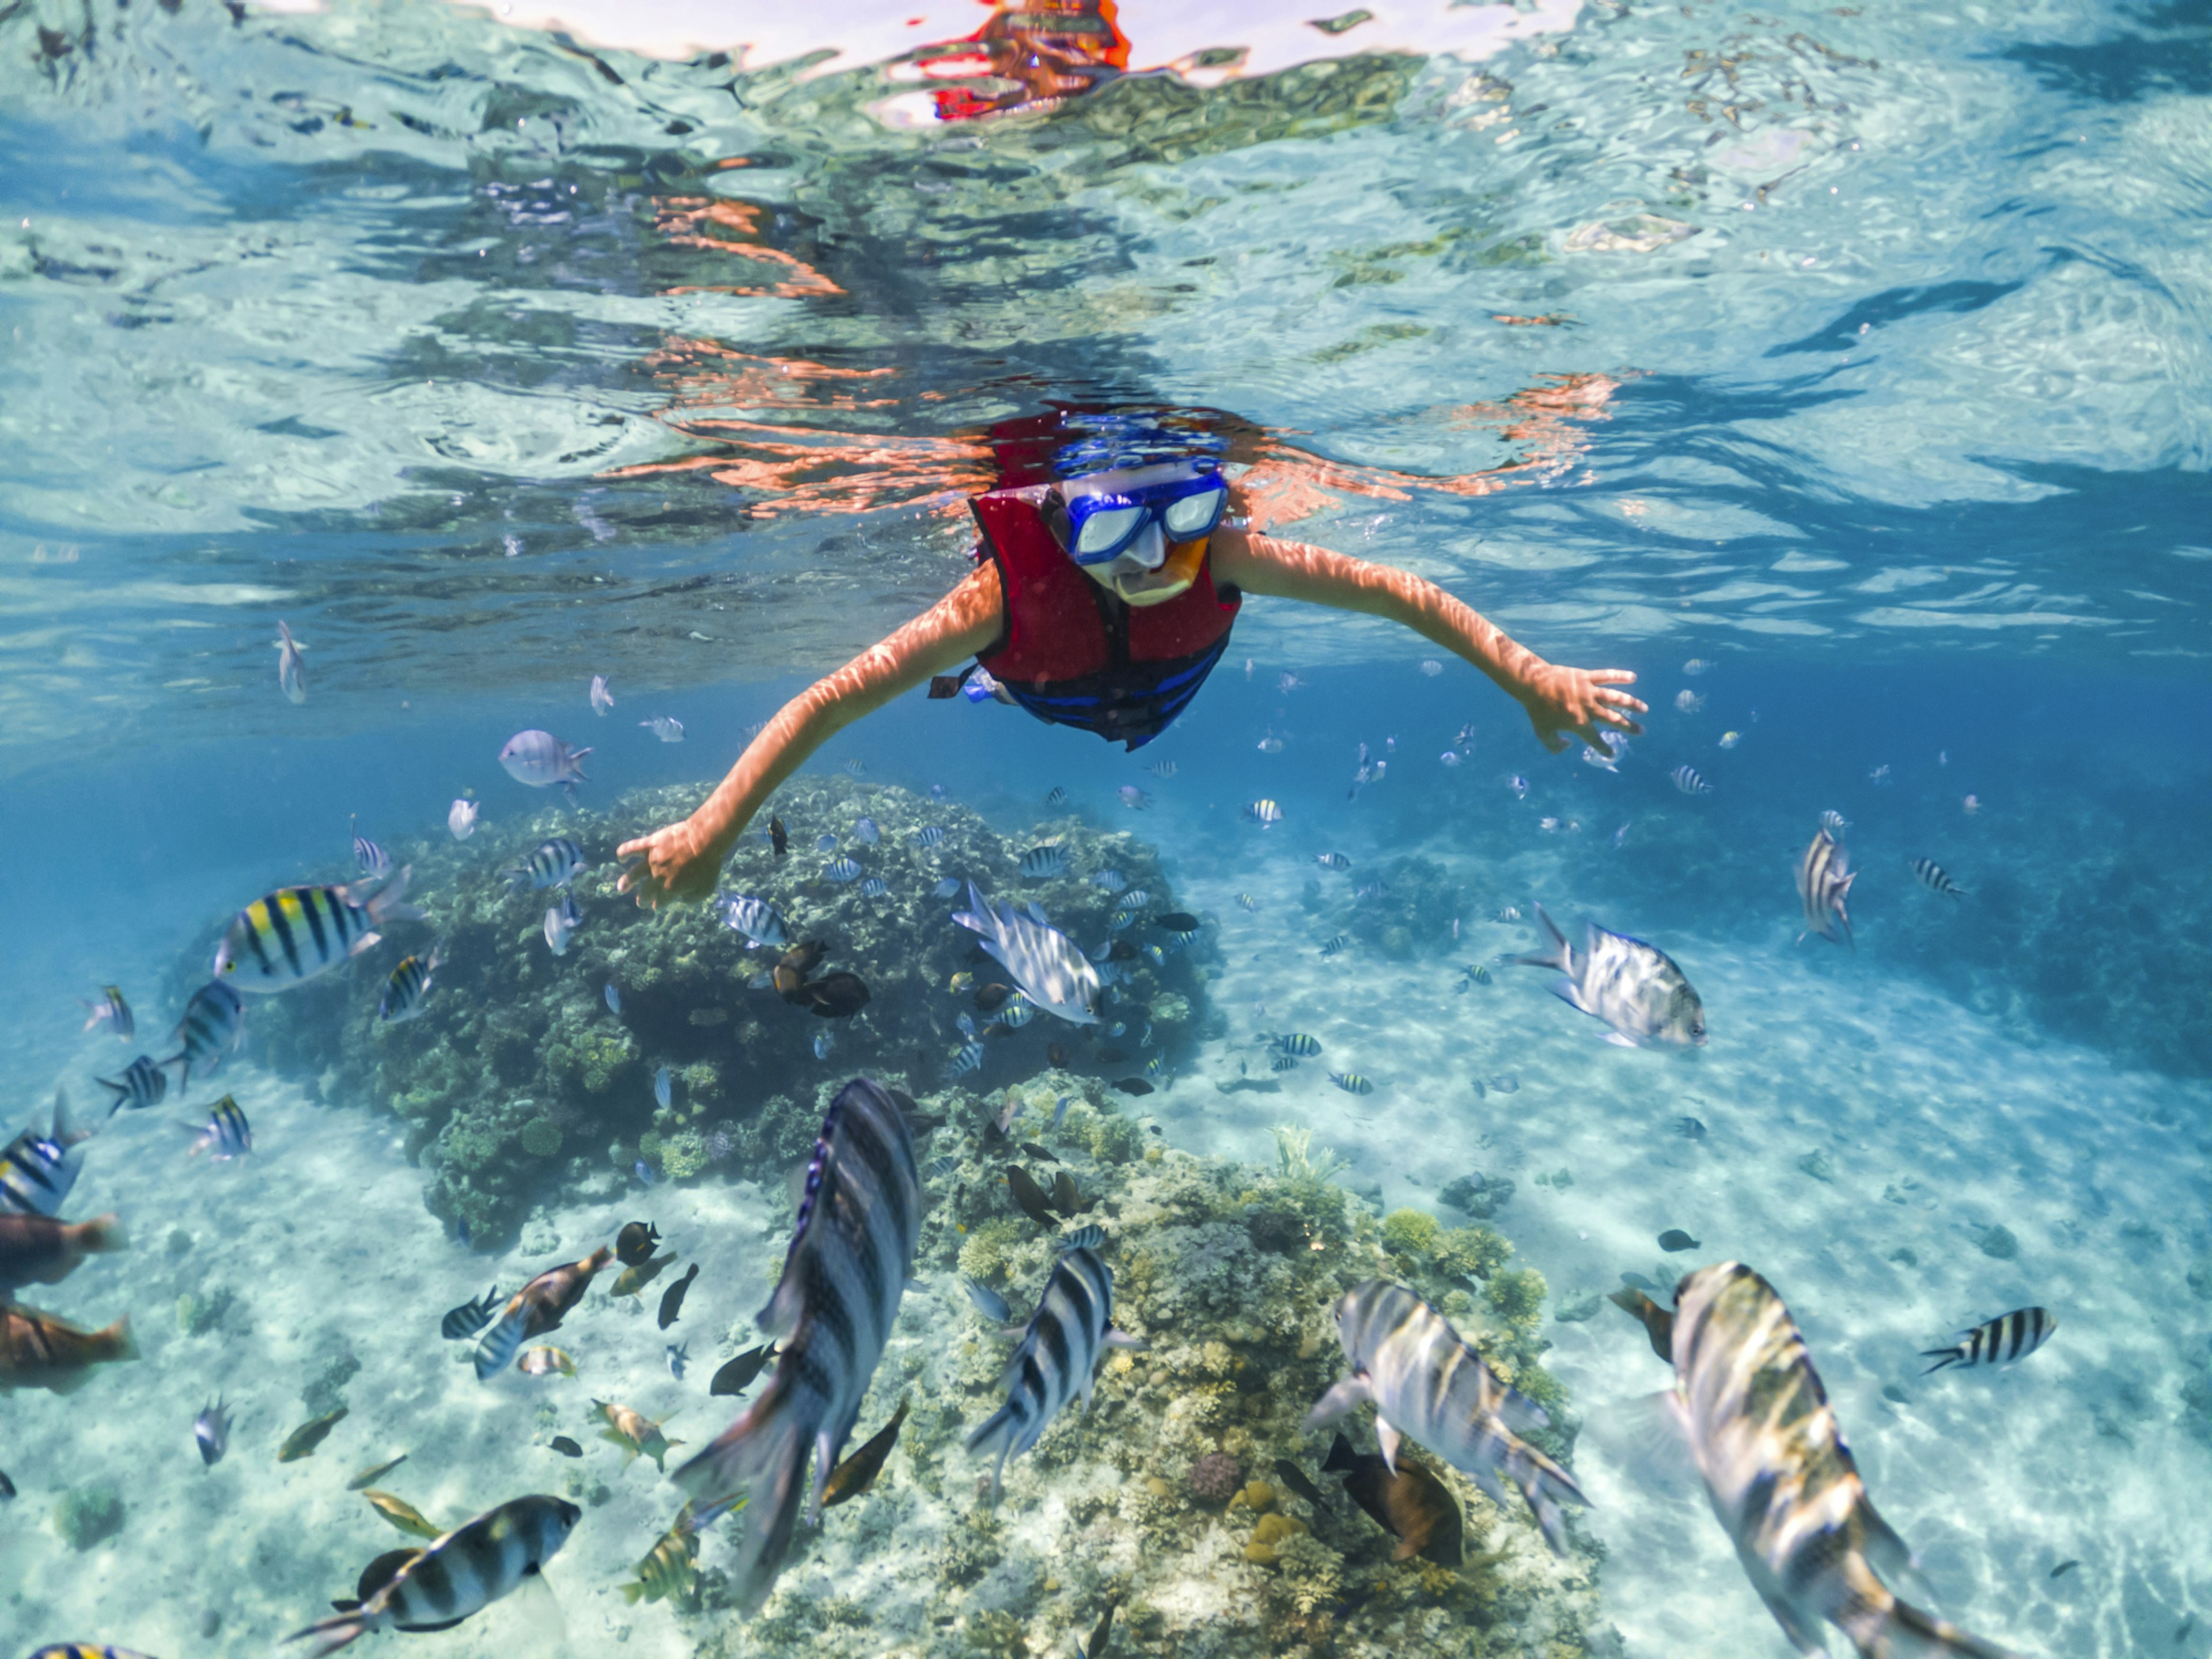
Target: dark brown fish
{"points": [[1095, 1647], [635, 1243], [1124, 951], [1131, 1085], [38, 1351], [1066, 1199], [302, 1441], [737, 1374], [777, 836], [1412, 1503], [834, 996], [1031, 1149], [1658, 1323], [379, 1573], [1297, 1480], [539, 1308], [38, 1249], [1030, 1196], [1176, 921], [857, 1472], [795, 966], [1055, 1055], [631, 1280], [565, 1447], [671, 1300], [992, 997], [6, 1487]]}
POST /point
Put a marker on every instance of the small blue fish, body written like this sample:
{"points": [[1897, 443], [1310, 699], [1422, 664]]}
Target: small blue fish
{"points": [[1055, 796], [678, 1358], [662, 1092], [928, 835], [1121, 921], [1157, 956], [211, 1429], [946, 889], [1112, 880], [1156, 1067], [874, 887], [228, 1134], [1133, 797], [840, 870], [968, 1057], [1135, 899], [856, 768], [1338, 946], [1059, 1109], [1246, 901], [824, 1042], [988, 1302], [666, 727], [865, 832], [1619, 837], [1043, 863], [614, 997], [644, 1173], [1116, 1029], [966, 1026], [1332, 861], [1519, 786], [825, 843]]}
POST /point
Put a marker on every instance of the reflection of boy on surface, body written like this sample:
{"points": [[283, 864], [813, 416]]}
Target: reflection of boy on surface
{"points": [[1102, 595]]}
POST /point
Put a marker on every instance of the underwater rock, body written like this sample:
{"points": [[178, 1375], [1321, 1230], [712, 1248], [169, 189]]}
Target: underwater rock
{"points": [[1818, 1165], [516, 1073], [1479, 1197], [1998, 1242], [87, 1516]]}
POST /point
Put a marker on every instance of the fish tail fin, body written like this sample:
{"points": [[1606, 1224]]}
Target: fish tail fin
{"points": [[330, 1634], [767, 1449], [388, 904], [1547, 1488], [115, 1341], [495, 1348], [998, 1430], [1881, 1626], [1658, 1322], [1340, 1455], [104, 1234], [1557, 954], [120, 1090], [1942, 1357]]}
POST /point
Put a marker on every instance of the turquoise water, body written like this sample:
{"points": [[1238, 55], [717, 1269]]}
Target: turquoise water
{"points": [[1856, 357]]}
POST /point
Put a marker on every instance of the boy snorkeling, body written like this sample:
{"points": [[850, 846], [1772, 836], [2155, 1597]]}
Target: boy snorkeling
{"points": [[1107, 576]]}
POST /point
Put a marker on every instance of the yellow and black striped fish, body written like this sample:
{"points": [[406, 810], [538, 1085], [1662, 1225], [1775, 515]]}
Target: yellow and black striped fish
{"points": [[87, 1651], [295, 932], [1779, 1476], [409, 984], [2000, 1341]]}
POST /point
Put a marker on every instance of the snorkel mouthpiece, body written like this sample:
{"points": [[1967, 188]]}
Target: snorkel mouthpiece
{"points": [[1173, 576]]}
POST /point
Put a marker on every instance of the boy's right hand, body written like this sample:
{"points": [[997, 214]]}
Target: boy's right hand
{"points": [[679, 864]]}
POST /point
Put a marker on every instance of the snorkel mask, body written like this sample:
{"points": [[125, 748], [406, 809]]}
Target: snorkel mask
{"points": [[1141, 531]]}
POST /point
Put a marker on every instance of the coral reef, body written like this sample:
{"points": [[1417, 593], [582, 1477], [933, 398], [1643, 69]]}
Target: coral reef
{"points": [[519, 1081], [1156, 1500], [86, 1516]]}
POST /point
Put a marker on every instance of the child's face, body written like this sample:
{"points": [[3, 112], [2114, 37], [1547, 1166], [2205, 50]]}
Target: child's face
{"points": [[1152, 568]]}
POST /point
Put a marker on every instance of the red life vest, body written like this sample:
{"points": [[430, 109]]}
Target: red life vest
{"points": [[1072, 653]]}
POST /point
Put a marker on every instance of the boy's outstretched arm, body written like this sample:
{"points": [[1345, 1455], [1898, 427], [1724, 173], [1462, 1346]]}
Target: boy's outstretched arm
{"points": [[682, 862], [1572, 701]]}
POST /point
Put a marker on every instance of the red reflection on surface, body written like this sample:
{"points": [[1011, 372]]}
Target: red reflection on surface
{"points": [[1032, 54], [722, 224]]}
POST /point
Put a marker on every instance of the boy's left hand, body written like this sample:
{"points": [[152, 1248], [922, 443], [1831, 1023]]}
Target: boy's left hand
{"points": [[1566, 703]]}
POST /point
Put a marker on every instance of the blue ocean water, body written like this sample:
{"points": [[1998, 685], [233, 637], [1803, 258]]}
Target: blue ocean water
{"points": [[1839, 371]]}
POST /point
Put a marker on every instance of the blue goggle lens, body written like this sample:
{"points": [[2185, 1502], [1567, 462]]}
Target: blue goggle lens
{"points": [[1101, 526]]}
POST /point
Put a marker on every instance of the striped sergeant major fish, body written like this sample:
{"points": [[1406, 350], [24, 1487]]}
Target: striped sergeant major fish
{"points": [[1425, 1381], [368, 858], [36, 1171], [536, 1307], [87, 1651], [1057, 1358], [112, 1011], [1043, 961], [1689, 781], [1634, 987], [860, 1220], [2000, 1341], [228, 1134], [214, 1022], [463, 1573], [1780, 1478], [553, 862], [295, 932], [1936, 880], [1824, 881], [142, 1083], [409, 984]]}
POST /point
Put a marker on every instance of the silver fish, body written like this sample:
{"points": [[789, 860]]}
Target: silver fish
{"points": [[1425, 1382], [1059, 1109], [824, 1042], [946, 888], [553, 863], [1113, 881], [213, 1021], [1263, 812], [291, 670], [368, 858], [1999, 1341], [1936, 880], [859, 1225], [211, 1431], [142, 1083], [757, 919], [840, 870], [666, 727], [866, 833], [1824, 881], [1043, 863], [36, 1171], [1332, 860], [111, 1010], [541, 760], [228, 1134], [561, 922], [1781, 1480], [1634, 987], [1045, 964], [663, 1088], [1017, 1011], [297, 933], [601, 699], [928, 835], [462, 1573], [1688, 780], [1057, 1358], [461, 819], [874, 887], [966, 1059], [988, 1302], [613, 994], [409, 984], [1133, 797]]}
